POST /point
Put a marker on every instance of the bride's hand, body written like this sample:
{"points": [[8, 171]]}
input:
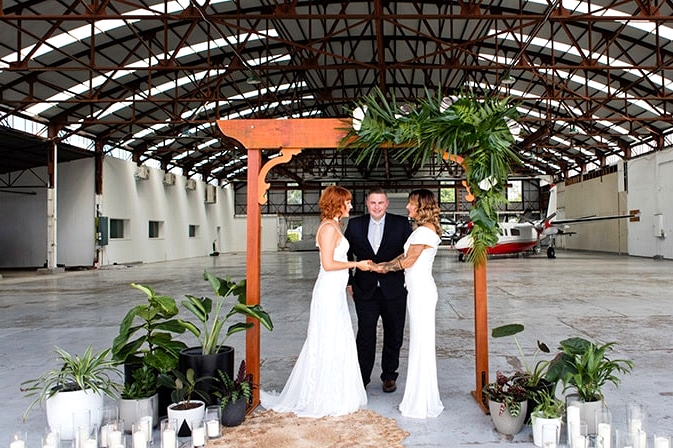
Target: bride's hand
{"points": [[363, 265]]}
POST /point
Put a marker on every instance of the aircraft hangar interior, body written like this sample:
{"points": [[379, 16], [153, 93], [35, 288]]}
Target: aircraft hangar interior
{"points": [[115, 169]]}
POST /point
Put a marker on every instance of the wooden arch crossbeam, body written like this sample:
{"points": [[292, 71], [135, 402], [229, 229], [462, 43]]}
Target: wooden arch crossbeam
{"points": [[290, 137]]}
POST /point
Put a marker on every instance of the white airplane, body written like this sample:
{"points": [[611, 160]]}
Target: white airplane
{"points": [[519, 237]]}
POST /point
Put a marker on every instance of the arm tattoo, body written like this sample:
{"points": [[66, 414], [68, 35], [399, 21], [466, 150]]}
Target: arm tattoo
{"points": [[393, 265]]}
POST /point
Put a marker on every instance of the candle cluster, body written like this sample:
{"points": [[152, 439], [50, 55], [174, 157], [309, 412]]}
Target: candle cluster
{"points": [[604, 434]]}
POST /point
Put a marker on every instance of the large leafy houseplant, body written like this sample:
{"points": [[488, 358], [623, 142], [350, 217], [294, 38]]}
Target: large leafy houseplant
{"points": [[534, 368], [146, 338], [587, 367], [209, 313], [479, 129]]}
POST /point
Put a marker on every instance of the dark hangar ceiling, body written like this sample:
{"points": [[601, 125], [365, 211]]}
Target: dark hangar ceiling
{"points": [[147, 79]]}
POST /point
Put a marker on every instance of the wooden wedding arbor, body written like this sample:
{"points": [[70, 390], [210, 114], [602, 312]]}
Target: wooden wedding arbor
{"points": [[291, 137]]}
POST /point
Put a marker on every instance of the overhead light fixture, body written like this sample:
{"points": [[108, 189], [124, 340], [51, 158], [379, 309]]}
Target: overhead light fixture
{"points": [[253, 79], [507, 80]]}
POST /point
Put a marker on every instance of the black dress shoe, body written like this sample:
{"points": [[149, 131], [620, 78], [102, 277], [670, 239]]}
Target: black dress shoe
{"points": [[389, 386]]}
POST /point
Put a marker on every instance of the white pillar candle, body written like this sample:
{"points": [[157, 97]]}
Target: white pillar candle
{"points": [[17, 443], [104, 431], [139, 439], [604, 431], [198, 436], [114, 438], [573, 419], [635, 425], [641, 440], [90, 443], [213, 427], [52, 439], [168, 438], [661, 442], [81, 436], [145, 424]]}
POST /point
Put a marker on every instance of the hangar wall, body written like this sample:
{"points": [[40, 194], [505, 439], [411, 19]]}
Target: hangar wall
{"points": [[23, 222], [651, 192], [600, 196]]}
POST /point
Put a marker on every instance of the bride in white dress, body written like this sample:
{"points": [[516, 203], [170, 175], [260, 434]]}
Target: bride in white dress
{"points": [[326, 378], [421, 394]]}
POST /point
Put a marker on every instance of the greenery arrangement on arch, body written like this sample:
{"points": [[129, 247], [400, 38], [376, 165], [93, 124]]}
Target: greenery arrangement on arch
{"points": [[478, 129]]}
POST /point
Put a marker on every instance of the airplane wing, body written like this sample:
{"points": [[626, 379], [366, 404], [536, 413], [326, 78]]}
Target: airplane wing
{"points": [[556, 222]]}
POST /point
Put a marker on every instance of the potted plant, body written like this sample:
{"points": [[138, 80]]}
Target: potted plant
{"points": [[548, 411], [184, 408], [535, 370], [212, 355], [139, 397], [507, 400], [79, 383], [586, 367], [234, 395], [145, 341]]}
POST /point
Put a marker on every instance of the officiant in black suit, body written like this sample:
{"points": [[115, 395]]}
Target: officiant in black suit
{"points": [[378, 236]]}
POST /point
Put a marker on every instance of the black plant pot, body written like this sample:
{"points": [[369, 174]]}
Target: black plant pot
{"points": [[207, 366], [233, 414]]}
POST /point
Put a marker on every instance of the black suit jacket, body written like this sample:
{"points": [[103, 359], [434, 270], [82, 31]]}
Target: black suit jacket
{"points": [[395, 233]]}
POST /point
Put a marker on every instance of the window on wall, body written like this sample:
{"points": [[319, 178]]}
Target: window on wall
{"points": [[447, 195], [514, 191], [193, 231], [294, 230], [117, 228], [155, 228], [294, 197]]}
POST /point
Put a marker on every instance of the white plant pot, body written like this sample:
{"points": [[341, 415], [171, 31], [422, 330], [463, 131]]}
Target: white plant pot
{"points": [[130, 411], [188, 416], [505, 423], [538, 423], [62, 406], [588, 413]]}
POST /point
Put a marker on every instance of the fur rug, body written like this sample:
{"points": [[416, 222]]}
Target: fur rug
{"points": [[364, 428]]}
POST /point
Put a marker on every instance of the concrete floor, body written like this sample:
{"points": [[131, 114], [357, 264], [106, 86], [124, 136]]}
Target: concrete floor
{"points": [[606, 297]]}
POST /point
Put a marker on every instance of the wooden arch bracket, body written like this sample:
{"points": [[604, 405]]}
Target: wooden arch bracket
{"points": [[262, 185]]}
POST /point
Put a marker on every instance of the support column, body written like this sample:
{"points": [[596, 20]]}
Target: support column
{"points": [[52, 205], [253, 271]]}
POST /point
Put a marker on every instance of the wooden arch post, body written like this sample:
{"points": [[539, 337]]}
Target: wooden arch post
{"points": [[291, 136]]}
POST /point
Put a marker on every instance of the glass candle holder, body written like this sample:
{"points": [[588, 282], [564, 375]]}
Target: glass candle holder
{"points": [[604, 427], [198, 433], [169, 433], [115, 434], [550, 436], [661, 440], [81, 426], [213, 422], [51, 438], [18, 439], [139, 435]]}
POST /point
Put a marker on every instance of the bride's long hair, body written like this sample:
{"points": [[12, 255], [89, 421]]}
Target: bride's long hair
{"points": [[427, 208]]}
